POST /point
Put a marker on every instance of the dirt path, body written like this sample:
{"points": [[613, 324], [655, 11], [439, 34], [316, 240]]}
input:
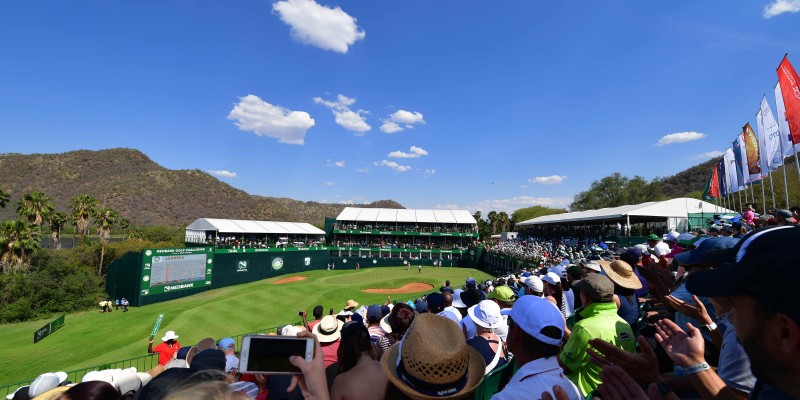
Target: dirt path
{"points": [[290, 280], [415, 287]]}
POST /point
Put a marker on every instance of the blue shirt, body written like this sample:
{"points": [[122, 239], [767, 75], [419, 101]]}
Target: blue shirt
{"points": [[734, 365], [681, 319]]}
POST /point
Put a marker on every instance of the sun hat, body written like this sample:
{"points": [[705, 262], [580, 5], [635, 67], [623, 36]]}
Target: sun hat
{"points": [[351, 304], [598, 288], [205, 344], [501, 293], [433, 361], [707, 251], [385, 324], [45, 382], [328, 330], [457, 303], [622, 274], [532, 314], [761, 266], [486, 314], [593, 265], [551, 278], [126, 381], [169, 335], [290, 330], [226, 344]]}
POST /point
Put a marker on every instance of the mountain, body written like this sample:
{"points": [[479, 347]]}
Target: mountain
{"points": [[689, 180], [147, 193]]}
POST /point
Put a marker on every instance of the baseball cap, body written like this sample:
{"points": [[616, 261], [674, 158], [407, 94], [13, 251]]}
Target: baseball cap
{"points": [[374, 313], [653, 236], [685, 238], [421, 306], [762, 266], [500, 293], [471, 282], [532, 314], [708, 251], [672, 236], [535, 283], [598, 288], [45, 382], [457, 302], [435, 302], [226, 344], [551, 278]]}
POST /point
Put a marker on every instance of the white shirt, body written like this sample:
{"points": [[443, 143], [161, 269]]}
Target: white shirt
{"points": [[537, 377], [454, 316], [454, 311], [570, 295]]}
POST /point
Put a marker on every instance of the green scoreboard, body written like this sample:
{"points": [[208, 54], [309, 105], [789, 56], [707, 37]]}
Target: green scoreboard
{"points": [[169, 270]]}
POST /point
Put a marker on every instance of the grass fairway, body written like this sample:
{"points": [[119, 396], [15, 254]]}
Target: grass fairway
{"points": [[91, 338]]}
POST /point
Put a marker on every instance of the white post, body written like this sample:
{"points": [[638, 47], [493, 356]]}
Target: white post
{"points": [[771, 189]]}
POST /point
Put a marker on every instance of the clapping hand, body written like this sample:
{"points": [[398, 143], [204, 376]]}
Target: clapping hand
{"points": [[696, 311], [684, 349], [642, 367]]}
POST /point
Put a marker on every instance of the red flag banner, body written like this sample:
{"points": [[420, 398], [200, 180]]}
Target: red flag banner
{"points": [[790, 89]]}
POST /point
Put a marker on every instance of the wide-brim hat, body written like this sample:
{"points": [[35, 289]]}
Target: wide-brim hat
{"points": [[621, 273], [385, 324], [433, 350], [486, 314], [351, 304], [457, 302], [169, 335], [329, 329]]}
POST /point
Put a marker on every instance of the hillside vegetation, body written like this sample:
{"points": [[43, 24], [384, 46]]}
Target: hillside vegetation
{"points": [[147, 193]]}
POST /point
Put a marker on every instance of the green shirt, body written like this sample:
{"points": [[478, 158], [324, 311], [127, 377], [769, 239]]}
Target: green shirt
{"points": [[600, 321]]}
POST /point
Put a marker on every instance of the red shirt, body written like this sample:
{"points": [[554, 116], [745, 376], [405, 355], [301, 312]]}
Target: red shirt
{"points": [[330, 352], [165, 352]]}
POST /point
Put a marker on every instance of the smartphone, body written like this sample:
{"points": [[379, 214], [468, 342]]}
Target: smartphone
{"points": [[270, 354]]}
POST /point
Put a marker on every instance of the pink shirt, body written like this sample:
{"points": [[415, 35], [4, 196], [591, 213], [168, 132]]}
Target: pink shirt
{"points": [[330, 353], [749, 216]]}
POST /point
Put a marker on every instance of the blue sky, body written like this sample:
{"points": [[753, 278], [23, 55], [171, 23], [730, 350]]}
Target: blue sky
{"points": [[477, 105]]}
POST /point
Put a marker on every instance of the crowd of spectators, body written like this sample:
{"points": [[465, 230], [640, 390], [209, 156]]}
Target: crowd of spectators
{"points": [[541, 250], [703, 314], [424, 243], [441, 228]]}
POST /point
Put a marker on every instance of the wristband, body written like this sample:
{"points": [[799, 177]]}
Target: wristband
{"points": [[691, 370], [709, 328]]}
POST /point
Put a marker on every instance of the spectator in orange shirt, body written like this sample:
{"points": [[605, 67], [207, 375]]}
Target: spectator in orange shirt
{"points": [[166, 349]]}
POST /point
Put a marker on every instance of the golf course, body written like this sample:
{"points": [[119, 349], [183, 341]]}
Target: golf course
{"points": [[93, 338]]}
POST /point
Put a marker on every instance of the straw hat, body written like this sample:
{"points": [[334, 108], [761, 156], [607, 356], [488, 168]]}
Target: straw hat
{"points": [[329, 329], [433, 354], [621, 273], [351, 304]]}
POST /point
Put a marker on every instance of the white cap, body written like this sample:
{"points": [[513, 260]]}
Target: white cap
{"points": [[45, 382], [559, 270], [290, 330], [534, 283], [486, 314], [672, 236], [532, 314], [643, 248], [551, 278], [592, 265], [457, 302]]}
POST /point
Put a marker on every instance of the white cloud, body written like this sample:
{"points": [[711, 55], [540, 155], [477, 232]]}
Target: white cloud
{"points": [[339, 164], [353, 121], [325, 27], [680, 137], [364, 170], [512, 204], [406, 118], [779, 7], [393, 165], [255, 115], [224, 173], [328, 183], [709, 154], [355, 200], [429, 172], [416, 152], [548, 180]]}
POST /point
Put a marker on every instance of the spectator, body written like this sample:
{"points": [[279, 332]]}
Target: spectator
{"points": [[536, 329], [554, 293], [317, 312], [446, 287], [533, 286], [504, 297], [436, 306], [486, 316], [633, 256], [625, 285], [658, 249], [449, 306], [749, 215], [784, 217], [228, 346], [599, 321], [328, 332], [360, 376], [470, 298], [374, 316], [395, 324], [166, 349]]}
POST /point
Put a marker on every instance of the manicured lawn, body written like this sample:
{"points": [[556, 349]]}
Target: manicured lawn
{"points": [[92, 338]]}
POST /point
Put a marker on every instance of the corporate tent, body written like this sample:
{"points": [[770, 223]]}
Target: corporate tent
{"points": [[203, 230]]}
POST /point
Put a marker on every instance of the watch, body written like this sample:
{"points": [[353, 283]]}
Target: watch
{"points": [[709, 328]]}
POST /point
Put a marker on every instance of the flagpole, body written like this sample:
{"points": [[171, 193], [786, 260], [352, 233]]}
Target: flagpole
{"points": [[771, 189], [763, 196], [740, 198]]}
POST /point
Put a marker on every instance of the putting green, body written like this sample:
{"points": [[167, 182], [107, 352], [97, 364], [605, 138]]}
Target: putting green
{"points": [[92, 338]]}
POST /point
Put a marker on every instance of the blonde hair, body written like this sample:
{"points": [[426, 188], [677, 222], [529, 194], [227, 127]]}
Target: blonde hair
{"points": [[216, 390]]}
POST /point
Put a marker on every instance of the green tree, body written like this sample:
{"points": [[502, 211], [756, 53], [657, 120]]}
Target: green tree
{"points": [[35, 207], [524, 214], [105, 220], [503, 221], [18, 240], [125, 224], [57, 221], [83, 208], [617, 190], [4, 198], [492, 216]]}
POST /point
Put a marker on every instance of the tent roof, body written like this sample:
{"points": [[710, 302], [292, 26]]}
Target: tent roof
{"points": [[406, 215], [680, 207], [247, 226]]}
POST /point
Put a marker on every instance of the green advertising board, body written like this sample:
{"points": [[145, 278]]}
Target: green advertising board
{"points": [[168, 270], [404, 233], [46, 330]]}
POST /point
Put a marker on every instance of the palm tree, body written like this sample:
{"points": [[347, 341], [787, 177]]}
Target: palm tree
{"points": [[4, 198], [36, 207], [17, 241], [125, 224], [492, 216], [83, 208], [56, 222], [503, 221], [105, 220]]}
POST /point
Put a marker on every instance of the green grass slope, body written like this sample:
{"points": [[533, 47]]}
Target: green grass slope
{"points": [[92, 338]]}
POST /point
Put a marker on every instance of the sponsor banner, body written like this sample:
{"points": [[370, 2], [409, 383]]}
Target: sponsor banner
{"points": [[751, 146], [168, 270], [46, 330], [790, 89], [392, 250], [404, 233], [769, 135]]}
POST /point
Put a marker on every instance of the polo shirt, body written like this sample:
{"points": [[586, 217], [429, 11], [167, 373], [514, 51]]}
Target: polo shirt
{"points": [[330, 353], [600, 321], [535, 378], [165, 351], [231, 362]]}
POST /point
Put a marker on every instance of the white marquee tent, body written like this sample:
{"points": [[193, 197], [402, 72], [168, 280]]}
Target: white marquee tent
{"points": [[198, 230]]}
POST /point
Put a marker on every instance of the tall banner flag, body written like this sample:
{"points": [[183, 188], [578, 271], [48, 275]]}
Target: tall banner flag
{"points": [[723, 189], [790, 88], [711, 193], [769, 135], [753, 153], [783, 125], [741, 162], [730, 171]]}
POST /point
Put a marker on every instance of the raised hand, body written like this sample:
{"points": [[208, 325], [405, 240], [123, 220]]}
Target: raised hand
{"points": [[642, 367], [684, 349], [617, 385], [696, 311]]}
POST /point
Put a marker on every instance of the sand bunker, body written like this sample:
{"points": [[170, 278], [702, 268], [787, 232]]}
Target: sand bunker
{"points": [[290, 280], [415, 287]]}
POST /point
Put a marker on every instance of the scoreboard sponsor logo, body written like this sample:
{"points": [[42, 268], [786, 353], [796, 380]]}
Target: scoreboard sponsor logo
{"points": [[277, 263], [241, 266]]}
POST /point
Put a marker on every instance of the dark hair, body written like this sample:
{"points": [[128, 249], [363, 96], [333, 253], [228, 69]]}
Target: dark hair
{"points": [[630, 258], [470, 297], [558, 293], [355, 342], [538, 347], [447, 282], [91, 390], [448, 298], [318, 310], [400, 319]]}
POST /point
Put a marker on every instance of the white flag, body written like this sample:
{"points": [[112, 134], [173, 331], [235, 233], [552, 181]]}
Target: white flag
{"points": [[745, 166], [730, 171], [783, 124], [769, 137]]}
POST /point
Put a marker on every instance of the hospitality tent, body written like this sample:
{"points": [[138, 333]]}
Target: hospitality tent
{"points": [[679, 214], [200, 230]]}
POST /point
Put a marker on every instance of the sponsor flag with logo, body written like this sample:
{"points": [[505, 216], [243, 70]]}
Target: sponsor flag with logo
{"points": [[752, 152], [769, 135], [790, 89], [711, 193], [723, 189], [730, 171], [783, 125], [741, 162]]}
